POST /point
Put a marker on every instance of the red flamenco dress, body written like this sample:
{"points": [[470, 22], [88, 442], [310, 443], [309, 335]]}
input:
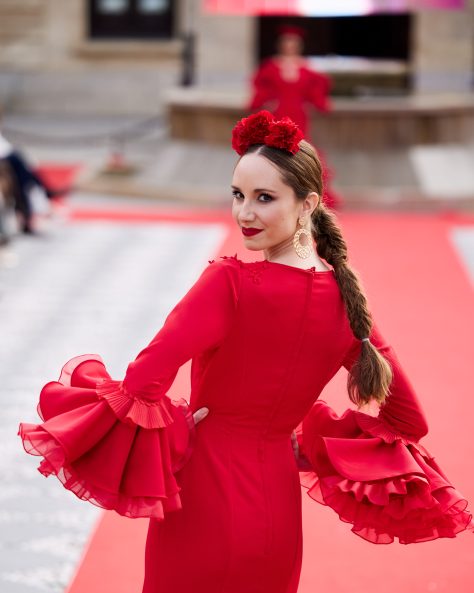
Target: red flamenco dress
{"points": [[293, 98], [224, 496]]}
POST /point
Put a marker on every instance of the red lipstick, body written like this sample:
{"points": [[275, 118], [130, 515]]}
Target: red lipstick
{"points": [[249, 232]]}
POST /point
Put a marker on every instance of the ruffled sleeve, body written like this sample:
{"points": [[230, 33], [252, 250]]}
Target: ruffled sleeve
{"points": [[373, 471], [263, 85], [119, 444], [318, 91]]}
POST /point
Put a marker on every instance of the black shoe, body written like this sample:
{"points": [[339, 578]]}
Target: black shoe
{"points": [[27, 229], [57, 193]]}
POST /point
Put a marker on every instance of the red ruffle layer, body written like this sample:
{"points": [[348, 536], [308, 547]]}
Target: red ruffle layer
{"points": [[117, 450], [385, 485]]}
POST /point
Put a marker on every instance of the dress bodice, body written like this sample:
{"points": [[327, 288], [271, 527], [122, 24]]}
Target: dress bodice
{"points": [[289, 336]]}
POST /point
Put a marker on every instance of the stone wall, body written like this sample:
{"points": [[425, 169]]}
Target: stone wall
{"points": [[48, 64], [225, 49], [443, 45], [22, 33]]}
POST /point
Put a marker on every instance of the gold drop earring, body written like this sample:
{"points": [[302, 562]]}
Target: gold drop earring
{"points": [[303, 251]]}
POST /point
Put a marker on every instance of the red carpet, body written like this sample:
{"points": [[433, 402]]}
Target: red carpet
{"points": [[422, 299], [58, 176]]}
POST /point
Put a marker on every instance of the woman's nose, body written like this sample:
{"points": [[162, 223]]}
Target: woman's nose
{"points": [[246, 217], [246, 212]]}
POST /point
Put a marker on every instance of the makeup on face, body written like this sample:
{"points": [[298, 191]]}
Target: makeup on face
{"points": [[263, 204], [250, 232]]}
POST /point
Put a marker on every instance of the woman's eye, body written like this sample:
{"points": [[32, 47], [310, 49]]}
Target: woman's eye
{"points": [[239, 195]]}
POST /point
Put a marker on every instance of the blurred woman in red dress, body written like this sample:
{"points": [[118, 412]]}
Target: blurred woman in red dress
{"points": [[287, 86]]}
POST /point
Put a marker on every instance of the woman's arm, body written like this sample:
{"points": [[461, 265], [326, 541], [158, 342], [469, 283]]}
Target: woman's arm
{"points": [[373, 471], [400, 416], [119, 444], [318, 91], [401, 412], [199, 321], [263, 86]]}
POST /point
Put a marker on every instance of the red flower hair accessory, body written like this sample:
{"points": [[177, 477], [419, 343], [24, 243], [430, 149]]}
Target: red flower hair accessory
{"points": [[251, 130], [292, 30], [262, 128], [284, 134]]}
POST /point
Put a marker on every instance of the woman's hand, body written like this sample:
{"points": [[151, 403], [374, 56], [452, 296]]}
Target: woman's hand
{"points": [[302, 462], [200, 414], [294, 442], [203, 412]]}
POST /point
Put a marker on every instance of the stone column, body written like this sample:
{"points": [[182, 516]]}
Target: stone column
{"points": [[66, 26], [225, 49]]}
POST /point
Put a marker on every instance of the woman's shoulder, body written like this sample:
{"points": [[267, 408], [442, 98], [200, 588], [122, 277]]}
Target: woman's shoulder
{"points": [[232, 265], [269, 63], [317, 75], [233, 261], [224, 266], [227, 260]]}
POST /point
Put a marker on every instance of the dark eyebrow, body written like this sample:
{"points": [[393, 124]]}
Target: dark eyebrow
{"points": [[258, 190]]}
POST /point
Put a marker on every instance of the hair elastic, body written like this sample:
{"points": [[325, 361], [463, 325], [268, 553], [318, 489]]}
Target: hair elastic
{"points": [[365, 340]]}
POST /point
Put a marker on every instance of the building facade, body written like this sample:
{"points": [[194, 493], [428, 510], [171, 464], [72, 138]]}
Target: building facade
{"points": [[122, 56]]}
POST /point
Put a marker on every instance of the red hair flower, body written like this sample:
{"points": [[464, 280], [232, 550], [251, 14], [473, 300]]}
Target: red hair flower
{"points": [[262, 128], [284, 134], [251, 130]]}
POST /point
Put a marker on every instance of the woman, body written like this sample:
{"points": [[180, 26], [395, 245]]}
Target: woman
{"points": [[223, 491], [287, 80], [287, 86]]}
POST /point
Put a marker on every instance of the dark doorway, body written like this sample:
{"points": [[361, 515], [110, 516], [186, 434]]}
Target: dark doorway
{"points": [[363, 55], [378, 36], [131, 19]]}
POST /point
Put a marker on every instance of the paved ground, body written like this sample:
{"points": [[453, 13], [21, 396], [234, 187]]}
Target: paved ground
{"points": [[88, 287], [463, 239]]}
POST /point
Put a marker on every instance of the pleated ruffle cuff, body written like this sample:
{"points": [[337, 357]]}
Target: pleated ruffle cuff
{"points": [[132, 408], [386, 486], [107, 447]]}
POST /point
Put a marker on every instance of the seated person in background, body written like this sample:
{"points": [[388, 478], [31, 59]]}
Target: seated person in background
{"points": [[23, 179]]}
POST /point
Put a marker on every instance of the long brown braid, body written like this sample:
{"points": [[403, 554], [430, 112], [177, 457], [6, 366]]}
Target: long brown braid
{"points": [[371, 375]]}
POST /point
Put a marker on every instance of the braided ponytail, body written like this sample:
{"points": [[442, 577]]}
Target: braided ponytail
{"points": [[371, 375]]}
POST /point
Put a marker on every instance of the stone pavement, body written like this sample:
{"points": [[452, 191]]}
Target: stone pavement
{"points": [[428, 177], [84, 287]]}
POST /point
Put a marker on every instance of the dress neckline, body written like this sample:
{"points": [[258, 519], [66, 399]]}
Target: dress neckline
{"points": [[311, 269], [266, 262]]}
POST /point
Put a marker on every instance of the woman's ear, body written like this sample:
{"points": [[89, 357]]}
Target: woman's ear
{"points": [[311, 202]]}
